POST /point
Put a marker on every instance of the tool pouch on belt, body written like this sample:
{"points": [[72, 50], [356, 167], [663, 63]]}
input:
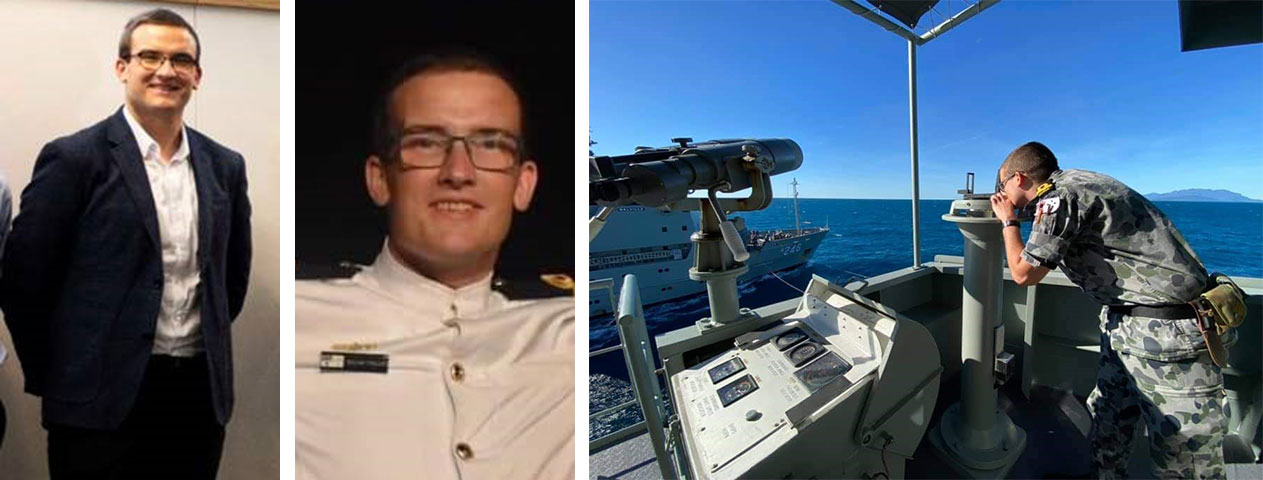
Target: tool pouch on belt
{"points": [[1219, 309]]}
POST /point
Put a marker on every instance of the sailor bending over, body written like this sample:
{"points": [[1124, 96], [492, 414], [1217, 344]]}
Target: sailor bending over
{"points": [[1124, 253]]}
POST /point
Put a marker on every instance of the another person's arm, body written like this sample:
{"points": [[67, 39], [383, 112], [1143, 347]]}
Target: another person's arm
{"points": [[37, 253], [6, 211]]}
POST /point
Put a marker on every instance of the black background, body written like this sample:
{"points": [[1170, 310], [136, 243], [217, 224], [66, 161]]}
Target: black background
{"points": [[345, 51]]}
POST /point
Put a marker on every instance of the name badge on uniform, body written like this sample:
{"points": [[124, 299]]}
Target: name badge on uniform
{"points": [[354, 362]]}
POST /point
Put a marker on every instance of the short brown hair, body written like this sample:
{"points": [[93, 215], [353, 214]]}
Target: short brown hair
{"points": [[1032, 159], [442, 60], [157, 16]]}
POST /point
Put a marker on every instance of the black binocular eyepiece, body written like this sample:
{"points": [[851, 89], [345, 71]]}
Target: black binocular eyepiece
{"points": [[657, 176]]}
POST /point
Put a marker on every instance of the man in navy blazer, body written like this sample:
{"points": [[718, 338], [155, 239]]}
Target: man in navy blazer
{"points": [[124, 270]]}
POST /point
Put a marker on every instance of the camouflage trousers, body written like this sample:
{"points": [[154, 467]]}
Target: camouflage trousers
{"points": [[1153, 369]]}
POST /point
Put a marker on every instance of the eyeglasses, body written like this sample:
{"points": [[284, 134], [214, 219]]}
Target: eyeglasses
{"points": [[151, 60], [491, 150], [999, 184]]}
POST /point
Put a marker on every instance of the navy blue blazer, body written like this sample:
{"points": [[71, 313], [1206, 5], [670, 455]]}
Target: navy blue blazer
{"points": [[82, 281]]}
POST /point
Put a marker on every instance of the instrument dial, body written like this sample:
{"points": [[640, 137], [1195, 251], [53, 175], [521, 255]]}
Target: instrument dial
{"points": [[821, 372], [736, 390], [804, 352], [788, 339], [725, 370]]}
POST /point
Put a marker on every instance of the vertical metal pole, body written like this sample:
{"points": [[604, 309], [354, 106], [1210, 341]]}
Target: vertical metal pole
{"points": [[797, 225], [979, 440], [979, 309], [714, 265], [916, 181]]}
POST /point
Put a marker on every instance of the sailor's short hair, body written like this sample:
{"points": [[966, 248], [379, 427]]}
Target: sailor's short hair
{"points": [[1033, 159]]}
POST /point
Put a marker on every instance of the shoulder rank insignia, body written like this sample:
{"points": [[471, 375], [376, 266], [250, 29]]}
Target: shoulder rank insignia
{"points": [[559, 281], [309, 271], [1044, 188], [527, 288]]}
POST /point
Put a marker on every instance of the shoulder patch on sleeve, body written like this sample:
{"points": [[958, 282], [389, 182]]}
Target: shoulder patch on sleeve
{"points": [[1048, 205]]}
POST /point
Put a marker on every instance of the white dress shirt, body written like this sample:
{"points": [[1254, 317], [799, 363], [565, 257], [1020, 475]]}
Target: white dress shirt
{"points": [[178, 331], [476, 386]]}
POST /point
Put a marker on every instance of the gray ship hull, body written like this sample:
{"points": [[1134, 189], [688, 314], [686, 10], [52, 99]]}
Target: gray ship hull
{"points": [[662, 267]]}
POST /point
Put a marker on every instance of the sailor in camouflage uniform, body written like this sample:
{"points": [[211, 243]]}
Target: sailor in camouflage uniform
{"points": [[1124, 253]]}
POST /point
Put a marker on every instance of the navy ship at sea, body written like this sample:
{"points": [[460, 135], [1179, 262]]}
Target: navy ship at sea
{"points": [[654, 244]]}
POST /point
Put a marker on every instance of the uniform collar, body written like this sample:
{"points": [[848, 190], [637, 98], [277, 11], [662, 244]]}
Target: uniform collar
{"points": [[149, 148], [428, 295], [1048, 185]]}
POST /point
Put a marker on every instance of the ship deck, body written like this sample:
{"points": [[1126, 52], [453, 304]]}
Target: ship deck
{"points": [[1056, 425], [1045, 397]]}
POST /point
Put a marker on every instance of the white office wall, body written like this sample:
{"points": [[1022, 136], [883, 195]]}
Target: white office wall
{"points": [[56, 77]]}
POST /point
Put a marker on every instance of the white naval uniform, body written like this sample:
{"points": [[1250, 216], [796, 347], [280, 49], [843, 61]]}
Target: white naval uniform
{"points": [[477, 387]]}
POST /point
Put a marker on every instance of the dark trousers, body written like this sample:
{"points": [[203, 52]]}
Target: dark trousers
{"points": [[170, 433]]}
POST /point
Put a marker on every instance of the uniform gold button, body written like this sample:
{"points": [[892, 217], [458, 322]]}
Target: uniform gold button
{"points": [[463, 451], [458, 372]]}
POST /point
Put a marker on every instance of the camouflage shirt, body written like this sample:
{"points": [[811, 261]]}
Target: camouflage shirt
{"points": [[1112, 242]]}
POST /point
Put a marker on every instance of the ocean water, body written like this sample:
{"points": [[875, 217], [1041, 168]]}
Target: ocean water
{"points": [[871, 237]]}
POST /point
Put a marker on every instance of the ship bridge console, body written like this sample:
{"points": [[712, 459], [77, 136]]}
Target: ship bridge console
{"points": [[824, 392]]}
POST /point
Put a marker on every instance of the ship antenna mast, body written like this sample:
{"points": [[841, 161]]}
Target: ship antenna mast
{"points": [[797, 225]]}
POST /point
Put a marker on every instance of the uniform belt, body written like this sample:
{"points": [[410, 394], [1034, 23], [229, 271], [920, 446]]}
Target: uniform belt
{"points": [[1164, 312]]}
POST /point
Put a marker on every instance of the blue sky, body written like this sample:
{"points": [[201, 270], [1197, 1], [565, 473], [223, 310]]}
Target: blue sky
{"points": [[1103, 84]]}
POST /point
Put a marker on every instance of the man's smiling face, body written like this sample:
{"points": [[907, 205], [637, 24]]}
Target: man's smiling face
{"points": [[166, 89], [453, 213]]}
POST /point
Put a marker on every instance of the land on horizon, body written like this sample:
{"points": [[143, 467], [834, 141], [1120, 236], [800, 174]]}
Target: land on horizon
{"points": [[1202, 195]]}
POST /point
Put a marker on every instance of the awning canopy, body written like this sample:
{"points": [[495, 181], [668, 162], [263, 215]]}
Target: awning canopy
{"points": [[1219, 23], [907, 12]]}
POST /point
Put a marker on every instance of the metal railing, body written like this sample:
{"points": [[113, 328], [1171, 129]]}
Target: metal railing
{"points": [[637, 428], [623, 433], [620, 434]]}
